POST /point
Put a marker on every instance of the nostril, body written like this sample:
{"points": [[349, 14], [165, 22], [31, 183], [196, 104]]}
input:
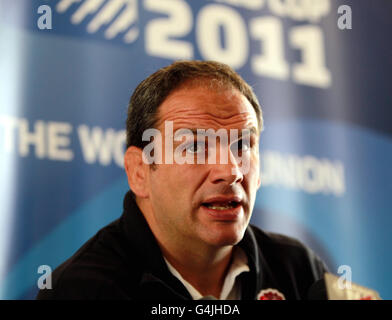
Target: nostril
{"points": [[225, 174]]}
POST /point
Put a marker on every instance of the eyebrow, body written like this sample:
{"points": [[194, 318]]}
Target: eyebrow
{"points": [[181, 131]]}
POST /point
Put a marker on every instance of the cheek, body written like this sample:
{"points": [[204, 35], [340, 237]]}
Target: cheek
{"points": [[173, 181], [253, 176], [162, 176]]}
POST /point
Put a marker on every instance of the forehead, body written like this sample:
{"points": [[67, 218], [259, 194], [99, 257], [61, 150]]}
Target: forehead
{"points": [[203, 107]]}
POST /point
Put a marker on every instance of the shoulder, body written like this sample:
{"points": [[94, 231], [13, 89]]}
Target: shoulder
{"points": [[98, 270], [274, 240], [288, 252]]}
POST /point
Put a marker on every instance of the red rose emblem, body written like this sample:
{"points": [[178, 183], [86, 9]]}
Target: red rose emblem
{"points": [[270, 294]]}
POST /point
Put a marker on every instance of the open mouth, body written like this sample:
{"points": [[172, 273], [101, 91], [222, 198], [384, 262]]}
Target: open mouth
{"points": [[221, 205]]}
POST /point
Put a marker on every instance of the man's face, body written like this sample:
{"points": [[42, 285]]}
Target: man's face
{"points": [[205, 203]]}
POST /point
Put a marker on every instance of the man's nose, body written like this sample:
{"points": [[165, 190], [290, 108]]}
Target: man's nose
{"points": [[228, 172]]}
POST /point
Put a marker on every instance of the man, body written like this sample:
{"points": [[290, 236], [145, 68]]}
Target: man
{"points": [[184, 232]]}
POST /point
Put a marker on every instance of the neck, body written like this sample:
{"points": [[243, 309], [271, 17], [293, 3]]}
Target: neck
{"points": [[205, 271]]}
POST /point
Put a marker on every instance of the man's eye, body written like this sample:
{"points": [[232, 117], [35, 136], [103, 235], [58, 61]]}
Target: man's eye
{"points": [[240, 145], [195, 147]]}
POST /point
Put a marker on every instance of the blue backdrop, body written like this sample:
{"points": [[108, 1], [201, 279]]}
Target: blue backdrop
{"points": [[68, 68]]}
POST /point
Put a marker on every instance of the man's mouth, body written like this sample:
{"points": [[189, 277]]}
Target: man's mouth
{"points": [[223, 208], [221, 205]]}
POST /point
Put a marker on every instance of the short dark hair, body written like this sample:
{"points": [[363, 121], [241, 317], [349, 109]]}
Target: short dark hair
{"points": [[151, 92]]}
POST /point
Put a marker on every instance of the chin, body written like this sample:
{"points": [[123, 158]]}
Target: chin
{"points": [[226, 238]]}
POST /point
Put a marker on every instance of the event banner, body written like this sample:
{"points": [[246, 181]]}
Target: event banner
{"points": [[320, 68]]}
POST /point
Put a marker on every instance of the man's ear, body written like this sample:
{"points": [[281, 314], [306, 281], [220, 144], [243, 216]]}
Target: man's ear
{"points": [[137, 171]]}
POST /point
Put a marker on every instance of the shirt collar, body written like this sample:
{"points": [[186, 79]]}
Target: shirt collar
{"points": [[231, 288]]}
